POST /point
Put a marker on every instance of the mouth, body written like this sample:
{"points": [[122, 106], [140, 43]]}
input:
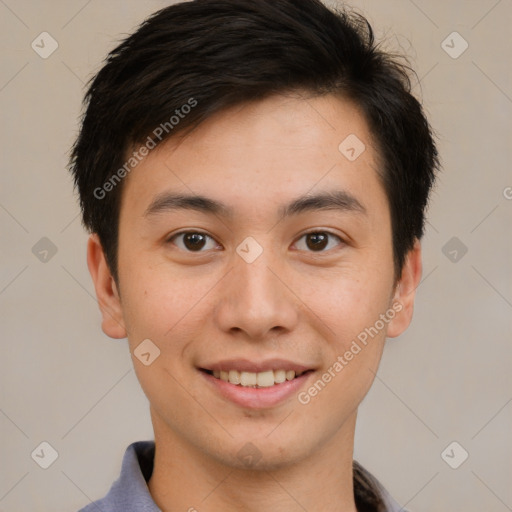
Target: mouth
{"points": [[256, 385], [256, 380]]}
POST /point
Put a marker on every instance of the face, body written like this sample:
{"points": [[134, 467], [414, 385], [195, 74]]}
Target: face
{"points": [[283, 271]]}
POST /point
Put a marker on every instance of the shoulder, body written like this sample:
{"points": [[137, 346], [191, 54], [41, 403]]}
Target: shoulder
{"points": [[130, 491]]}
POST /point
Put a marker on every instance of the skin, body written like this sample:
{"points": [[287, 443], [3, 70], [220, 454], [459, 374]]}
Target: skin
{"points": [[292, 302]]}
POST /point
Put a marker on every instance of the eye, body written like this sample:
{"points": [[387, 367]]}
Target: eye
{"points": [[192, 241], [317, 241], [195, 241]]}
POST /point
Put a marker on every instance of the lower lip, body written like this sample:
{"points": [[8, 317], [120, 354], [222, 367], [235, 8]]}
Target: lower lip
{"points": [[257, 398]]}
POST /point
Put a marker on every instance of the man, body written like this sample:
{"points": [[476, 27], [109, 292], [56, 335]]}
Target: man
{"points": [[254, 175]]}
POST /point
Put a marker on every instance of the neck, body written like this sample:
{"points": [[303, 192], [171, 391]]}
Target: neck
{"points": [[184, 478]]}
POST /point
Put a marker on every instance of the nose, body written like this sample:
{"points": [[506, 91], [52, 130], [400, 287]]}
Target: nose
{"points": [[256, 299]]}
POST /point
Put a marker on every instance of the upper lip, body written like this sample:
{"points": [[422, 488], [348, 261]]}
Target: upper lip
{"points": [[244, 365]]}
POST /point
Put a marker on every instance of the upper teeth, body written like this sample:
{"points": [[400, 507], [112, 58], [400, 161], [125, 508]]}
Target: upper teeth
{"points": [[250, 379]]}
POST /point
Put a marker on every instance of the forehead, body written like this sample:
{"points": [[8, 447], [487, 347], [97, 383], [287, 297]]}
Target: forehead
{"points": [[268, 151]]}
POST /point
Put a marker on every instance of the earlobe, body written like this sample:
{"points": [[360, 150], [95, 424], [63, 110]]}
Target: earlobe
{"points": [[405, 292], [106, 290]]}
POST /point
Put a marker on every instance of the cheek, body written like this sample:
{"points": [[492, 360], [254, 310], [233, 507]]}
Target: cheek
{"points": [[164, 306], [349, 305], [355, 333], [164, 310]]}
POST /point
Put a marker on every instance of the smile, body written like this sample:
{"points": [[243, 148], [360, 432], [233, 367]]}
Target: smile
{"points": [[263, 379]]}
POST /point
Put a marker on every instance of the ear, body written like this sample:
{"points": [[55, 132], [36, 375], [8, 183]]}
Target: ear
{"points": [[106, 290], [405, 292]]}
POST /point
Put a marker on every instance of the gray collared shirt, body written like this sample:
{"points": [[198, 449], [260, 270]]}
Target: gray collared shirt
{"points": [[130, 493]]}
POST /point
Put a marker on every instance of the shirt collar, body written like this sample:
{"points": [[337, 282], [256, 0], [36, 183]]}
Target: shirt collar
{"points": [[130, 491]]}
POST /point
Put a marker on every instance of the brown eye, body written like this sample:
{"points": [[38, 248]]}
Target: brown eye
{"points": [[191, 241], [317, 241]]}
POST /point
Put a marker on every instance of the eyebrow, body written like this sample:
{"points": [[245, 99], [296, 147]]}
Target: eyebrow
{"points": [[330, 200]]}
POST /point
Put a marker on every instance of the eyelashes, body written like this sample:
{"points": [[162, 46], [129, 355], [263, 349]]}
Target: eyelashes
{"points": [[318, 241], [194, 241], [192, 238]]}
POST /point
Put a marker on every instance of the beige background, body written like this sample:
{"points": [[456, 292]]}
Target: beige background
{"points": [[446, 379]]}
